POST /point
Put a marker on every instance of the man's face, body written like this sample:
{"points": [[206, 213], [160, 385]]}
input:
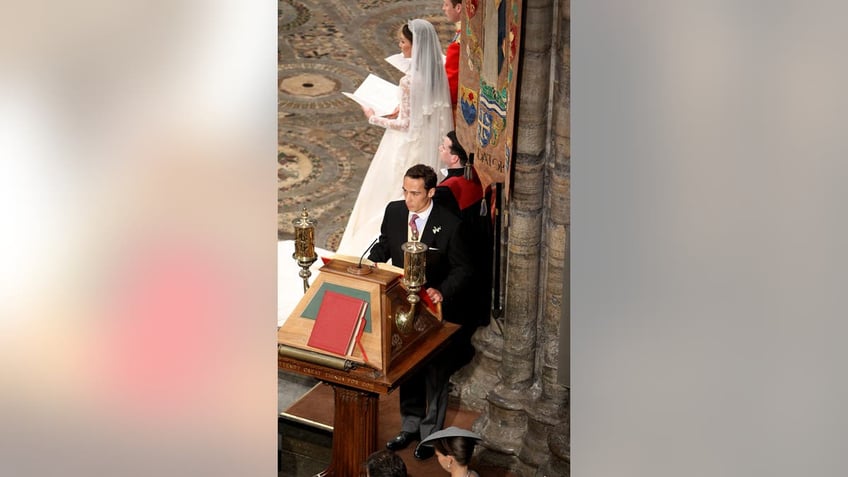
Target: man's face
{"points": [[416, 196], [445, 156], [452, 12]]}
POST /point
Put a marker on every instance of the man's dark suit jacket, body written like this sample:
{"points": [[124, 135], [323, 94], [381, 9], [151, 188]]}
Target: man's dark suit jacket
{"points": [[449, 267]]}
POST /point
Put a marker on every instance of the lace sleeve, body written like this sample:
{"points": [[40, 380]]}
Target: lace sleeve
{"points": [[401, 123]]}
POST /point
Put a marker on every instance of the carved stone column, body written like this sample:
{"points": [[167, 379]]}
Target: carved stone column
{"points": [[550, 408], [559, 463], [504, 423], [474, 381]]}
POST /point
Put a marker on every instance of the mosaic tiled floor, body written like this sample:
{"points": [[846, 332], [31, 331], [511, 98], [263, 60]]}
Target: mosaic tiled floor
{"points": [[325, 144]]}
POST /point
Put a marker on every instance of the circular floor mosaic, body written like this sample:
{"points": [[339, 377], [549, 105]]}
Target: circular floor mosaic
{"points": [[325, 143], [308, 85], [291, 15]]}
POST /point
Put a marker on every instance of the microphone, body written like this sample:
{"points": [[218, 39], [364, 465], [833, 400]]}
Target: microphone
{"points": [[358, 270], [366, 251]]}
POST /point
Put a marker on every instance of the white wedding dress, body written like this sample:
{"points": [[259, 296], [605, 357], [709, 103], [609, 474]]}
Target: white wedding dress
{"points": [[424, 118], [383, 182]]}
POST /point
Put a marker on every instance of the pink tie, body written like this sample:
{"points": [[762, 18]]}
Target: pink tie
{"points": [[414, 227]]}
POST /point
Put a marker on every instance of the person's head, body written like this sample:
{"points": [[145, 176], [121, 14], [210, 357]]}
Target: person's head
{"points": [[405, 41], [429, 105], [426, 46], [451, 152], [452, 9], [385, 463], [455, 450], [419, 185]]}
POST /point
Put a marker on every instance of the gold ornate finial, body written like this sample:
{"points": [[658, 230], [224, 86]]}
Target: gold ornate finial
{"points": [[304, 245]]}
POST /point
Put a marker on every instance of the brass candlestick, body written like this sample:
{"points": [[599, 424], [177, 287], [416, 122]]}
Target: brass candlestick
{"points": [[304, 245], [414, 264]]}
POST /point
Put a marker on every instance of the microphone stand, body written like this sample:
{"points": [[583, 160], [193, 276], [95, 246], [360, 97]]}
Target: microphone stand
{"points": [[358, 270]]}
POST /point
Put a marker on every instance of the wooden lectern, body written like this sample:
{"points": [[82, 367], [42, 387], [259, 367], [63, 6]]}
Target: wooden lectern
{"points": [[388, 354]]}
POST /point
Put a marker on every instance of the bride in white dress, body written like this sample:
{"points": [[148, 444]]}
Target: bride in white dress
{"points": [[412, 137]]}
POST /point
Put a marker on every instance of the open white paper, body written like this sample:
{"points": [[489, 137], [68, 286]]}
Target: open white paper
{"points": [[377, 94]]}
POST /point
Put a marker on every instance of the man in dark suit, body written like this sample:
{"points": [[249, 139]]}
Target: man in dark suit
{"points": [[424, 396], [464, 186]]}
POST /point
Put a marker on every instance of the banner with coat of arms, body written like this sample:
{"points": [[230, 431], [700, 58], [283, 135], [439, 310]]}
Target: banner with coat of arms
{"points": [[488, 70]]}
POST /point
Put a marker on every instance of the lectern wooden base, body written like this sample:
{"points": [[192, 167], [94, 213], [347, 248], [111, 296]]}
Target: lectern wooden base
{"points": [[396, 352], [356, 398], [353, 440]]}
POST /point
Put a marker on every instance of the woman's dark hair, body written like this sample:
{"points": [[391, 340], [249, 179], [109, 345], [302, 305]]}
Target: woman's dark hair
{"points": [[385, 463], [459, 447], [407, 33]]}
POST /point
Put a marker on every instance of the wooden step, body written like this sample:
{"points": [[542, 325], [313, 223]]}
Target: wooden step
{"points": [[315, 409]]}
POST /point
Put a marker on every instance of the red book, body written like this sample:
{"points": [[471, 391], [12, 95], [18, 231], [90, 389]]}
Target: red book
{"points": [[338, 324]]}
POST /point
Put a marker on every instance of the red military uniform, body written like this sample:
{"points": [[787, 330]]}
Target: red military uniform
{"points": [[452, 67], [478, 230], [467, 192]]}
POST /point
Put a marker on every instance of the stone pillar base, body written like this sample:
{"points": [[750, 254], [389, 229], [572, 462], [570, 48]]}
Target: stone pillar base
{"points": [[495, 459], [505, 423], [473, 382], [543, 420], [559, 463]]}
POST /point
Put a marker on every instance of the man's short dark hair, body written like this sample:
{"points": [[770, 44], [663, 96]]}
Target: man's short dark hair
{"points": [[385, 463], [456, 148], [455, 2], [422, 171]]}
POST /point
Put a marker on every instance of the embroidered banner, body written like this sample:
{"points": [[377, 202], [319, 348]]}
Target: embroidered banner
{"points": [[488, 70]]}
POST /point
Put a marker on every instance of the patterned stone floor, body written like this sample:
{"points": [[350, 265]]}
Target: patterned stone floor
{"points": [[325, 144]]}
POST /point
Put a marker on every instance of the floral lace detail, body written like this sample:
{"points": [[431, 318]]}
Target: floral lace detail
{"points": [[401, 123]]}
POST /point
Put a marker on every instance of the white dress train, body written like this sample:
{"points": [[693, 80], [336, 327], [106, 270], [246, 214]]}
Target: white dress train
{"points": [[383, 183], [424, 118]]}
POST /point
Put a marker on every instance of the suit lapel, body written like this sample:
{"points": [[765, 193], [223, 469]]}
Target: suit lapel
{"points": [[427, 235], [400, 216], [396, 231]]}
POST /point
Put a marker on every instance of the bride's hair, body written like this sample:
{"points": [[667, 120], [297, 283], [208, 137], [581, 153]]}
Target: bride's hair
{"points": [[407, 33]]}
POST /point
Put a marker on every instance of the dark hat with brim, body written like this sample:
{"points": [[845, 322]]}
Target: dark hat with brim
{"points": [[452, 431]]}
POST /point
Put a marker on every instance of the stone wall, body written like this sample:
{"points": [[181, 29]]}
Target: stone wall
{"points": [[516, 379]]}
